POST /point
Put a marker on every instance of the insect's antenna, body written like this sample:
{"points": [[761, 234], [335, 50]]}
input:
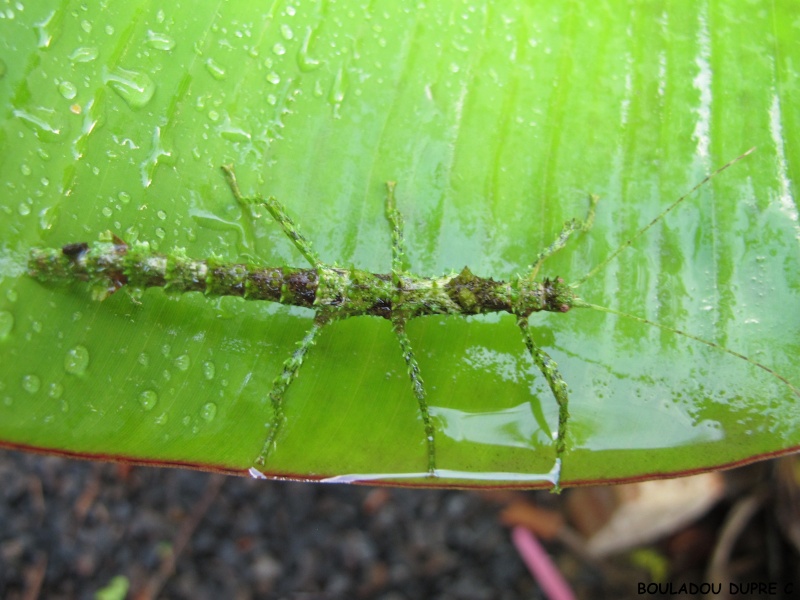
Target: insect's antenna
{"points": [[661, 215], [696, 339]]}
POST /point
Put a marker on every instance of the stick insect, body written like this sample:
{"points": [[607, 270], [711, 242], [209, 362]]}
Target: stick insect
{"points": [[335, 293]]}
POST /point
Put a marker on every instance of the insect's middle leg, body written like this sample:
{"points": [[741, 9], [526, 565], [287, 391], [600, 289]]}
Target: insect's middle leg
{"points": [[419, 391], [399, 269], [558, 386], [569, 228], [281, 383], [399, 266]]}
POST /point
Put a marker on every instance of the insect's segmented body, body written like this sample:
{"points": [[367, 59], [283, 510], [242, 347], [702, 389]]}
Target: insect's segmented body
{"points": [[336, 293], [341, 292]]}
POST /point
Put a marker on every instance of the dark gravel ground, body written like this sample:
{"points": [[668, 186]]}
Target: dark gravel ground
{"points": [[69, 527]]}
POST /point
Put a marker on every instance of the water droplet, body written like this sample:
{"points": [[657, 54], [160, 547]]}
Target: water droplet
{"points": [[233, 132], [44, 122], [6, 323], [134, 87], [304, 61], [148, 399], [279, 49], [107, 211], [86, 26], [216, 70], [256, 474], [209, 370], [159, 41], [274, 78], [166, 349], [109, 29], [124, 197], [67, 89], [161, 419], [31, 383], [47, 29], [77, 360], [339, 87], [286, 32], [12, 296], [23, 209], [144, 359], [55, 390], [161, 215], [25, 169], [209, 411], [183, 362], [84, 54], [64, 406], [158, 154]]}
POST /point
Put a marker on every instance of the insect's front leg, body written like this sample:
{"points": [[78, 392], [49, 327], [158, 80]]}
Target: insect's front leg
{"points": [[558, 386], [278, 213], [569, 228]]}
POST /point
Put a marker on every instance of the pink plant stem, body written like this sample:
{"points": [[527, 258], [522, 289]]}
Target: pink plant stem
{"points": [[543, 569]]}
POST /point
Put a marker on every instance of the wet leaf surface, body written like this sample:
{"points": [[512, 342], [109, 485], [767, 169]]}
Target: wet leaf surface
{"points": [[496, 122]]}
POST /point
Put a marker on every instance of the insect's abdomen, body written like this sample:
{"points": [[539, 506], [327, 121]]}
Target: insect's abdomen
{"points": [[109, 266]]}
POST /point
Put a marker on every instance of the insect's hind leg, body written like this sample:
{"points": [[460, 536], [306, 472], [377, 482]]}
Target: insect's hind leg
{"points": [[281, 383], [278, 213], [569, 228], [558, 386], [419, 391]]}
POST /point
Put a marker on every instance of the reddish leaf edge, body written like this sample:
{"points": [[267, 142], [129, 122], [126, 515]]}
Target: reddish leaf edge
{"points": [[239, 472]]}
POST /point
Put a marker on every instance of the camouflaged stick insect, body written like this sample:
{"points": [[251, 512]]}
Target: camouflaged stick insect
{"points": [[336, 293]]}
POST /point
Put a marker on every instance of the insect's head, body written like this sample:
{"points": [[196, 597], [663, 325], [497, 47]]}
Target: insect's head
{"points": [[552, 295], [557, 296]]}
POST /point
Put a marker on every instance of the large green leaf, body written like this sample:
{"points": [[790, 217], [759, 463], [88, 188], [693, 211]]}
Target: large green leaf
{"points": [[496, 120]]}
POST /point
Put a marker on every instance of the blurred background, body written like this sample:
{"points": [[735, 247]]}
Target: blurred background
{"points": [[74, 529]]}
